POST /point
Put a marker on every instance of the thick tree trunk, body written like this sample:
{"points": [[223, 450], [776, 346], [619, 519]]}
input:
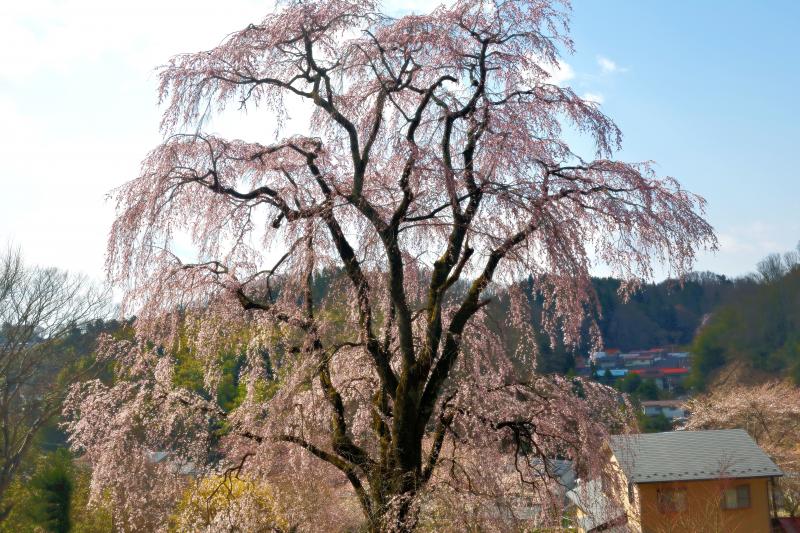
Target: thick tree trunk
{"points": [[398, 514]]}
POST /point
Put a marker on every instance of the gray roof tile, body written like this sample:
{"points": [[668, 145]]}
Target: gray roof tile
{"points": [[691, 455]]}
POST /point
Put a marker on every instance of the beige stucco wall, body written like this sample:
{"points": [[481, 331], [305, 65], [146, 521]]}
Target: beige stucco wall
{"points": [[703, 510]]}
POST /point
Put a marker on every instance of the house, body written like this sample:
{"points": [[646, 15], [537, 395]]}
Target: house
{"points": [[672, 409], [175, 465], [594, 509], [527, 509], [689, 481]]}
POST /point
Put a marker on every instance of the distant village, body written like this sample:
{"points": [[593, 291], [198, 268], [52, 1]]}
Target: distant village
{"points": [[666, 368]]}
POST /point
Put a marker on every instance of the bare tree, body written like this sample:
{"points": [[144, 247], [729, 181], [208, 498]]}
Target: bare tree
{"points": [[38, 308], [771, 268], [770, 412]]}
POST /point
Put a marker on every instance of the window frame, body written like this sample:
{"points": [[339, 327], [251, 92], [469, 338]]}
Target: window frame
{"points": [[741, 503], [666, 502]]}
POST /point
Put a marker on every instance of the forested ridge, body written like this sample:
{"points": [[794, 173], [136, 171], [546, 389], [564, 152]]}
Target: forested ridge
{"points": [[667, 313], [757, 328], [752, 321]]}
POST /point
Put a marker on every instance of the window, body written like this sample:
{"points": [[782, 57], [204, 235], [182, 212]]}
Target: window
{"points": [[671, 500], [737, 497]]}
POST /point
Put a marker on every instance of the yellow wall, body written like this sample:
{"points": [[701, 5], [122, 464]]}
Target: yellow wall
{"points": [[703, 510]]}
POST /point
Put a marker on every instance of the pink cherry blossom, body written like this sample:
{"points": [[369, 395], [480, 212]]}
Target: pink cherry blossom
{"points": [[436, 175]]}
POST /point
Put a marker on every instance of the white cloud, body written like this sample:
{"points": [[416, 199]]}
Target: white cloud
{"points": [[78, 105], [40, 36], [415, 6], [596, 98], [756, 237], [53, 204], [743, 245], [607, 66], [77, 100], [560, 74]]}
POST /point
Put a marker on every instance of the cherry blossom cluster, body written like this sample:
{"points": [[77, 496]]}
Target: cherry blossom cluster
{"points": [[434, 179]]}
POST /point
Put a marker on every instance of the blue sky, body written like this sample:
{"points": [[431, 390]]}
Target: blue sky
{"points": [[706, 89], [710, 91]]}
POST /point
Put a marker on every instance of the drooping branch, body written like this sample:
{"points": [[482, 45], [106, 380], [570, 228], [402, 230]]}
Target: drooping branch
{"points": [[437, 173], [346, 468], [359, 280]]}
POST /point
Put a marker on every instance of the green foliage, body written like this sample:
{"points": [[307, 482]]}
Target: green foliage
{"points": [[207, 497], [51, 489], [666, 313], [96, 518], [41, 486], [51, 494], [647, 390], [753, 320], [629, 383], [231, 391], [654, 424], [759, 329], [708, 349], [189, 375], [41, 497], [638, 388], [662, 314], [15, 500]]}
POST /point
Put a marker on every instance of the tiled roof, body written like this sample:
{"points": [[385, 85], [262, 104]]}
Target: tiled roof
{"points": [[662, 403], [690, 455], [789, 525]]}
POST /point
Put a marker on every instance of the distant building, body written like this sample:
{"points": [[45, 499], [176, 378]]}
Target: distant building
{"points": [[672, 409], [668, 369], [686, 481], [524, 509], [176, 466], [537, 507]]}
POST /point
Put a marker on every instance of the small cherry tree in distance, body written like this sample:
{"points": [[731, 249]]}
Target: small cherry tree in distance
{"points": [[435, 175]]}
